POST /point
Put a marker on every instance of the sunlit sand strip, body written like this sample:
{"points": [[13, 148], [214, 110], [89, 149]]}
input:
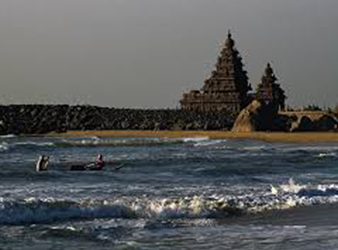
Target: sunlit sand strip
{"points": [[264, 136]]}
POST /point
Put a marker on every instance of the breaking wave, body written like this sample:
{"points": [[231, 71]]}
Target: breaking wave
{"points": [[48, 210], [195, 139], [7, 136], [210, 143], [329, 154], [32, 143], [312, 148], [97, 142], [3, 146], [132, 142]]}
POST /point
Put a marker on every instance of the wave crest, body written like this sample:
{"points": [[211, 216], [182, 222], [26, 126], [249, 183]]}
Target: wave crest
{"points": [[132, 142], [3, 146], [34, 210]]}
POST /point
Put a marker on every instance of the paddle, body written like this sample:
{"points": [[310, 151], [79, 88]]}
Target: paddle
{"points": [[118, 167]]}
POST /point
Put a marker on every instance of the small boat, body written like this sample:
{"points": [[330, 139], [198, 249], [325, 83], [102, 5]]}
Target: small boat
{"points": [[90, 167]]}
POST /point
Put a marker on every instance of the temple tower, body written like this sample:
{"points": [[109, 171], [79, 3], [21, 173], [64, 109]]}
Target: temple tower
{"points": [[269, 92], [227, 87]]}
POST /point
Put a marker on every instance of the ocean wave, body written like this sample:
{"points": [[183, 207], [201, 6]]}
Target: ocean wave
{"points": [[133, 142], [291, 149], [210, 143], [329, 154], [7, 136], [310, 148], [12, 145], [9, 145], [49, 210], [315, 151], [328, 190], [33, 143], [106, 233], [114, 230], [195, 139], [257, 148], [3, 146]]}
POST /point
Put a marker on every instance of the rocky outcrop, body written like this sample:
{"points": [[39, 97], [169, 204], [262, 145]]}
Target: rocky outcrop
{"points": [[40, 119], [248, 119], [261, 117], [326, 123], [255, 117], [282, 123]]}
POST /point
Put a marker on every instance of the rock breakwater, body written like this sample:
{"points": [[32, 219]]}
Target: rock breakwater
{"points": [[41, 119]]}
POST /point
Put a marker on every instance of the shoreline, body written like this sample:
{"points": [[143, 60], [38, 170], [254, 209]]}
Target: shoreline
{"points": [[302, 137]]}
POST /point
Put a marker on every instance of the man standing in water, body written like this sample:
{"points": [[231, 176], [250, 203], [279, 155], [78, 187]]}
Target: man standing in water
{"points": [[41, 164]]}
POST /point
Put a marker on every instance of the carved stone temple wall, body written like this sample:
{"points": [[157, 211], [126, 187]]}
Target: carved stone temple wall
{"points": [[269, 92], [226, 89]]}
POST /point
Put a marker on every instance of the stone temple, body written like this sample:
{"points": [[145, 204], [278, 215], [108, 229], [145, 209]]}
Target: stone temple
{"points": [[226, 89], [269, 92]]}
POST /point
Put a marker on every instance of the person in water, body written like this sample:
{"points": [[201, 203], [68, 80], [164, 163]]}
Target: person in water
{"points": [[41, 164], [99, 163]]}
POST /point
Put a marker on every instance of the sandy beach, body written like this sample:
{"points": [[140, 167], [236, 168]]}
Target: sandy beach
{"points": [[262, 136]]}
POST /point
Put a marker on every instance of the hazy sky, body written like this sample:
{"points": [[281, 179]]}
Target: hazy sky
{"points": [[145, 53]]}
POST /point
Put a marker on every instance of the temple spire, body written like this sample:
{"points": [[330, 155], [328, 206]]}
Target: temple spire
{"points": [[268, 91], [268, 70], [226, 89], [229, 43]]}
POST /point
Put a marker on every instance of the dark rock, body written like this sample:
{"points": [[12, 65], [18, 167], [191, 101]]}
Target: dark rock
{"points": [[189, 126], [282, 123], [325, 123], [157, 126], [178, 125], [255, 117], [37, 119]]}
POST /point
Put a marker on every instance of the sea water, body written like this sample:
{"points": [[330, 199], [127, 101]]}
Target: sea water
{"points": [[187, 193]]}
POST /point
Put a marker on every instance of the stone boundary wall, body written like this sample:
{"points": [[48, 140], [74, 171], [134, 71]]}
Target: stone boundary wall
{"points": [[307, 121], [313, 115], [41, 119]]}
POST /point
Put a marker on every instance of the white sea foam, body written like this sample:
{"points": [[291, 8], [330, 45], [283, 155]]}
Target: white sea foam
{"points": [[3, 146], [89, 142], [310, 148], [7, 136], [329, 154], [32, 143], [255, 148], [291, 187], [34, 210], [209, 143], [120, 142], [195, 139]]}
